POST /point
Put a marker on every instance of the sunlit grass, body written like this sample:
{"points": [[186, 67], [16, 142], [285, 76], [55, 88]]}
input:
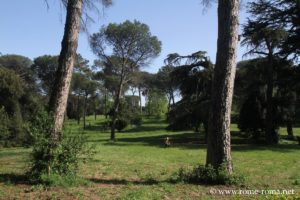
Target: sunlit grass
{"points": [[137, 166]]}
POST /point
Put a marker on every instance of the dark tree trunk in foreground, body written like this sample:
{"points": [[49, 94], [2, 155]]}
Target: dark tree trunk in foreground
{"points": [[59, 96], [218, 141]]}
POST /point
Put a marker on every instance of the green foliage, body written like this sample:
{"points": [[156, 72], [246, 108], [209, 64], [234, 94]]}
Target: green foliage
{"points": [[62, 159], [209, 175], [4, 127], [250, 118], [45, 68], [12, 97], [136, 120], [157, 104], [121, 124], [21, 66], [69, 180]]}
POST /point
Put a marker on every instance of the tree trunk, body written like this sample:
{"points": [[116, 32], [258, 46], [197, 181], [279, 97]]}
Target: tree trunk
{"points": [[289, 128], [169, 102], [115, 111], [105, 104], [140, 95], [60, 92], [218, 141], [84, 111], [172, 96], [78, 109], [95, 109], [270, 129]]}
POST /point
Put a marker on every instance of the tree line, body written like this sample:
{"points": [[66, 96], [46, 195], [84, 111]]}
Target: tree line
{"points": [[262, 92]]}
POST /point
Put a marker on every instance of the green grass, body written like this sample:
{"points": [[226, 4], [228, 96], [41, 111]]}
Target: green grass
{"points": [[137, 166]]}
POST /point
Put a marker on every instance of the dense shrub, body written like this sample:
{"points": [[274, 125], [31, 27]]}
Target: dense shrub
{"points": [[136, 120], [121, 124], [208, 175], [63, 159], [251, 118], [4, 127]]}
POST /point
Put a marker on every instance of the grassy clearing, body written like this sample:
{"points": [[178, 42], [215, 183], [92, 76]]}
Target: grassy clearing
{"points": [[138, 166]]}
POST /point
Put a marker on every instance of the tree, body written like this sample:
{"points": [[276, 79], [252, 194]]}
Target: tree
{"points": [[166, 83], [45, 68], [218, 141], [22, 66], [264, 39], [60, 92], [132, 46], [192, 75], [11, 91]]}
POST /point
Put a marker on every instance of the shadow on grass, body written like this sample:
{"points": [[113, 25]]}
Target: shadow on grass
{"points": [[144, 129], [97, 128], [129, 182], [15, 179], [283, 148], [196, 141]]}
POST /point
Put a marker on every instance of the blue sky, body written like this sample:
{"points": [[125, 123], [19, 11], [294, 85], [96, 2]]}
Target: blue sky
{"points": [[28, 28]]}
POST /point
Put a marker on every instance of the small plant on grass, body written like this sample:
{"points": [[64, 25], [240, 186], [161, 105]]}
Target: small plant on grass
{"points": [[48, 163], [209, 175]]}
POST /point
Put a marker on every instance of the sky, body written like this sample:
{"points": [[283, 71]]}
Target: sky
{"points": [[31, 29]]}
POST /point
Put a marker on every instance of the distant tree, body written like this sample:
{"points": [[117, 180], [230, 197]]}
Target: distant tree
{"points": [[22, 67], [45, 68], [132, 47], [264, 40], [192, 75], [11, 92], [156, 104], [166, 83], [218, 143], [251, 116]]}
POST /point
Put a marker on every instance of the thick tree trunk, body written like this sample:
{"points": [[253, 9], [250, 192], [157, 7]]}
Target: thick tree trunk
{"points": [[218, 141], [60, 92], [270, 129]]}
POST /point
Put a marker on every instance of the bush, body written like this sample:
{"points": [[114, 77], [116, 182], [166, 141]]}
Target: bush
{"points": [[136, 120], [4, 127], [61, 160], [250, 117], [209, 175], [121, 124]]}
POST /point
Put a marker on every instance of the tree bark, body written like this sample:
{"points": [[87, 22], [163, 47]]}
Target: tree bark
{"points": [[105, 104], [289, 128], [84, 111], [140, 95], [270, 129], [95, 109], [116, 110], [78, 109], [59, 96], [218, 141]]}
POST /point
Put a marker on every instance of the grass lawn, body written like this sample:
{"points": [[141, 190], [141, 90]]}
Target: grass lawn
{"points": [[138, 166]]}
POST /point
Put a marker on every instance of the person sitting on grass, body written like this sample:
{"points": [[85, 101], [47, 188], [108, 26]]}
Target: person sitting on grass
{"points": [[167, 142]]}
